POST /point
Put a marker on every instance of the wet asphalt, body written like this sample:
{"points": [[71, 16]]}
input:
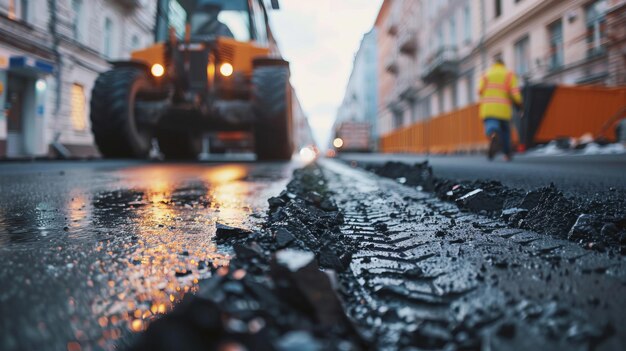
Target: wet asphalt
{"points": [[92, 250], [576, 175]]}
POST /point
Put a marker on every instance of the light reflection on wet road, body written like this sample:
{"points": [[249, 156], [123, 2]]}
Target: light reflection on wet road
{"points": [[92, 251]]}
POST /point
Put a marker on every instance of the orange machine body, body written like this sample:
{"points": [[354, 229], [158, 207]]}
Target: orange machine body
{"points": [[150, 55], [239, 54]]}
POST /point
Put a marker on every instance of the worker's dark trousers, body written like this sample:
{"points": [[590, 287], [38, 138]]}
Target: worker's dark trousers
{"points": [[503, 128]]}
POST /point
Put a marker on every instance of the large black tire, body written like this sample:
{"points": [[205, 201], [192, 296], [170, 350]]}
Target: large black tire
{"points": [[180, 145], [271, 101], [113, 120]]}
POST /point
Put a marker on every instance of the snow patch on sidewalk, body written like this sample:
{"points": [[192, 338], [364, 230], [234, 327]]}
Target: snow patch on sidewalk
{"points": [[555, 148], [610, 149]]}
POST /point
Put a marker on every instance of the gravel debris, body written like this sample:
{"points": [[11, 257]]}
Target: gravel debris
{"points": [[278, 291], [350, 261]]}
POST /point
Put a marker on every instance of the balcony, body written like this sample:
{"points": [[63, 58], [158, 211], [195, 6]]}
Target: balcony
{"points": [[391, 63], [595, 51], [392, 28], [131, 4], [406, 87], [392, 25], [408, 93], [395, 106], [408, 41], [441, 65]]}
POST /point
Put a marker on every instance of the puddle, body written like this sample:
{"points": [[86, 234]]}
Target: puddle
{"points": [[93, 256]]}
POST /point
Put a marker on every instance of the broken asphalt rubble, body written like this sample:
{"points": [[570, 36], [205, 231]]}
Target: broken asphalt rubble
{"points": [[595, 225], [279, 290], [290, 286]]}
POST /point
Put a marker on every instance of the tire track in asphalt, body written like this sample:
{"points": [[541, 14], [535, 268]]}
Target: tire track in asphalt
{"points": [[432, 277]]}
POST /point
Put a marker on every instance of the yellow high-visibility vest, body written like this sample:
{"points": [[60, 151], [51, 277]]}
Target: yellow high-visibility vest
{"points": [[497, 90]]}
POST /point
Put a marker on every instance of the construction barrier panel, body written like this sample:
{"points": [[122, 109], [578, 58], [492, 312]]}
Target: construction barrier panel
{"points": [[577, 110], [550, 112], [456, 131]]}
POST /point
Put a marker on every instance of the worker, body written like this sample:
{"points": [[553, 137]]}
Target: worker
{"points": [[205, 21], [498, 90]]}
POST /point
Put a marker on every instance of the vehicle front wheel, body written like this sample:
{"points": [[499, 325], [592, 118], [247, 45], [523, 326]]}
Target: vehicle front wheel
{"points": [[271, 101], [114, 120]]}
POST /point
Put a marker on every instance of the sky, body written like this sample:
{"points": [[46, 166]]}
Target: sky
{"points": [[320, 38]]}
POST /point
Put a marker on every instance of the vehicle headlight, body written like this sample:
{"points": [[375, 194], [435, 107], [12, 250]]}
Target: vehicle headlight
{"points": [[307, 154], [226, 69], [157, 70], [210, 71]]}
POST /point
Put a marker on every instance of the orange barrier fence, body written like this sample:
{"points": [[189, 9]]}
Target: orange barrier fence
{"points": [[576, 110], [572, 112], [460, 130]]}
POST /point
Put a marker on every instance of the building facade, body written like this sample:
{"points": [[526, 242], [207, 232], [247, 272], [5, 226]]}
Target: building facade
{"points": [[561, 42], [432, 53], [51, 53], [402, 102], [360, 100], [386, 58], [616, 46], [448, 57]]}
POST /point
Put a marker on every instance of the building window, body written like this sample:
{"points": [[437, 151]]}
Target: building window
{"points": [[441, 101], [412, 111], [24, 10], [452, 32], [259, 24], [77, 9], [398, 119], [498, 8], [108, 37], [595, 14], [134, 42], [177, 18], [522, 56], [455, 95], [555, 32], [79, 121], [18, 10], [468, 24], [470, 87], [440, 39], [426, 108]]}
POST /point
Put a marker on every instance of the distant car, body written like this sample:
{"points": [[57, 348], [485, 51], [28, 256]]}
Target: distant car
{"points": [[353, 137]]}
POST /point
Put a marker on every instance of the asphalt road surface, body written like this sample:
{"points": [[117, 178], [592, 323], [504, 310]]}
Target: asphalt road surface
{"points": [[577, 175], [89, 250]]}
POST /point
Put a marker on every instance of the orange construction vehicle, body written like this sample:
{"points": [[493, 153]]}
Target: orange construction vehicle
{"points": [[215, 68]]}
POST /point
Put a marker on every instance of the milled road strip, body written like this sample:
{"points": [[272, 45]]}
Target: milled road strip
{"points": [[430, 276], [597, 224]]}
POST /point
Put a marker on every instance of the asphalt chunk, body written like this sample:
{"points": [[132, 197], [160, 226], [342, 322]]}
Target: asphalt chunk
{"points": [[283, 237], [225, 232]]}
